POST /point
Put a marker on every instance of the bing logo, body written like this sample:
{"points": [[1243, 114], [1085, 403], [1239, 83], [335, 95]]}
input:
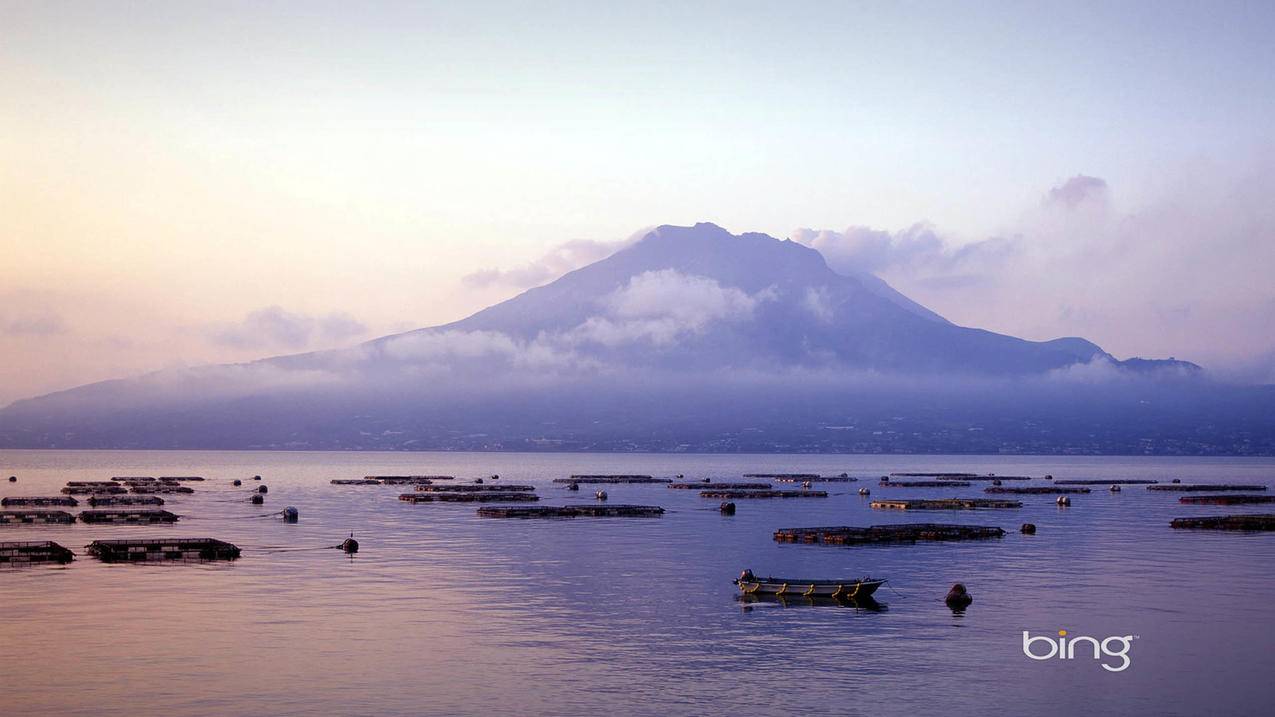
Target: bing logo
{"points": [[1046, 647]]}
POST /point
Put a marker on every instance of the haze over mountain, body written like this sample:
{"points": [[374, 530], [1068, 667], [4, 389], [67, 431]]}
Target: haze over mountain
{"points": [[689, 339]]}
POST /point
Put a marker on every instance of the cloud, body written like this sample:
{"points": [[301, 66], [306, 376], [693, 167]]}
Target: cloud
{"points": [[34, 323], [1078, 190], [818, 302], [563, 258], [918, 250], [273, 327]]}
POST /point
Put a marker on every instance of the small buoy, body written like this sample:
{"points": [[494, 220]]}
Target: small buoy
{"points": [[1115, 489], [256, 477], [805, 484], [237, 482], [573, 486], [703, 480], [13, 479], [885, 479], [601, 495], [1049, 477], [263, 489], [257, 499], [495, 476], [1028, 529], [727, 508], [996, 482], [291, 515], [864, 491], [1176, 480], [958, 598], [1064, 501], [845, 475], [478, 480], [350, 545], [680, 476]]}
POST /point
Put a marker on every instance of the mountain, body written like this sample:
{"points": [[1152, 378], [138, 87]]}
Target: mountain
{"points": [[689, 339]]}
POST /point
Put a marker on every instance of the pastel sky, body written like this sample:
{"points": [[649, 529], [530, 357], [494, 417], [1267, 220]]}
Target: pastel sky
{"points": [[183, 183]]}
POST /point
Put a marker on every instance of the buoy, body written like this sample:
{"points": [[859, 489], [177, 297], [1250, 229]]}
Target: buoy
{"points": [[996, 482], [680, 476], [1176, 480], [573, 486], [1064, 501], [350, 545], [958, 598], [290, 515], [256, 477], [1115, 489], [258, 499], [1028, 529], [1049, 477], [601, 495], [478, 480], [864, 491], [13, 479], [496, 476], [263, 489], [885, 479], [845, 475], [805, 484], [728, 508], [237, 482]]}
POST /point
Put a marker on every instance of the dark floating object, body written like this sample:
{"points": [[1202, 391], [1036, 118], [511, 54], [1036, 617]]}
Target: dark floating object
{"points": [[256, 477], [290, 514], [124, 551], [996, 482], [257, 499], [350, 545], [904, 533], [864, 491], [736, 494], [574, 486], [111, 500], [727, 508], [127, 516], [479, 497], [478, 481], [925, 483], [263, 489], [161, 488], [355, 481], [35, 517], [404, 480], [958, 598], [964, 476], [611, 479], [114, 488], [818, 479], [1063, 501], [600, 495], [573, 511], [1202, 487], [1036, 490], [785, 477], [14, 479], [1226, 499], [236, 482], [1028, 529], [80, 483], [848, 588], [41, 500], [1257, 521], [181, 478], [133, 478], [1114, 488], [1176, 480], [701, 485], [947, 504], [1097, 481], [467, 488], [43, 551]]}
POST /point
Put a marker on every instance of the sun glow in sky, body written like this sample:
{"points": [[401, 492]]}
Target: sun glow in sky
{"points": [[196, 182]]}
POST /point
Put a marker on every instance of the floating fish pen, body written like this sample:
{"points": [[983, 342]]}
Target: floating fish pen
{"points": [[469, 497], [1225, 499], [467, 488], [786, 477], [81, 483], [40, 500], [1036, 490], [1260, 521], [160, 489], [110, 500], [925, 484], [719, 486], [112, 489], [44, 551], [732, 494], [133, 478], [904, 533], [937, 475], [819, 479], [399, 480], [986, 479], [1095, 481], [612, 479], [123, 551], [35, 517], [1202, 487], [574, 511], [181, 478], [355, 481], [134, 517], [946, 504]]}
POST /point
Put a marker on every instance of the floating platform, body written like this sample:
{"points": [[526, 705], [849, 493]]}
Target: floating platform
{"points": [[109, 500], [160, 489], [946, 504], [763, 494], [123, 551], [35, 517], [1036, 490], [128, 478], [181, 478], [136, 517], [937, 475], [355, 481], [44, 551], [786, 477], [574, 511], [925, 484], [1201, 487], [1226, 499], [612, 479], [1259, 521], [468, 488], [113, 488], [903, 533], [819, 479], [82, 483], [395, 480], [1095, 481], [706, 485], [469, 497], [40, 500]]}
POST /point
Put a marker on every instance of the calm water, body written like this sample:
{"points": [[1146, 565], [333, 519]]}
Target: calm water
{"points": [[445, 613]]}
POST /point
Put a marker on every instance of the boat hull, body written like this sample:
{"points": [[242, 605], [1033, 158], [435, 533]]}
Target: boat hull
{"points": [[848, 589]]}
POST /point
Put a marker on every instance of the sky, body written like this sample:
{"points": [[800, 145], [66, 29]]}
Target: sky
{"points": [[185, 183]]}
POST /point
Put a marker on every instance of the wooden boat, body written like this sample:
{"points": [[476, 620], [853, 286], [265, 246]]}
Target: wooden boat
{"points": [[849, 588]]}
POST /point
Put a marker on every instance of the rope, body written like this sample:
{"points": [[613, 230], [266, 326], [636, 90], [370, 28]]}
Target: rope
{"points": [[896, 592]]}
